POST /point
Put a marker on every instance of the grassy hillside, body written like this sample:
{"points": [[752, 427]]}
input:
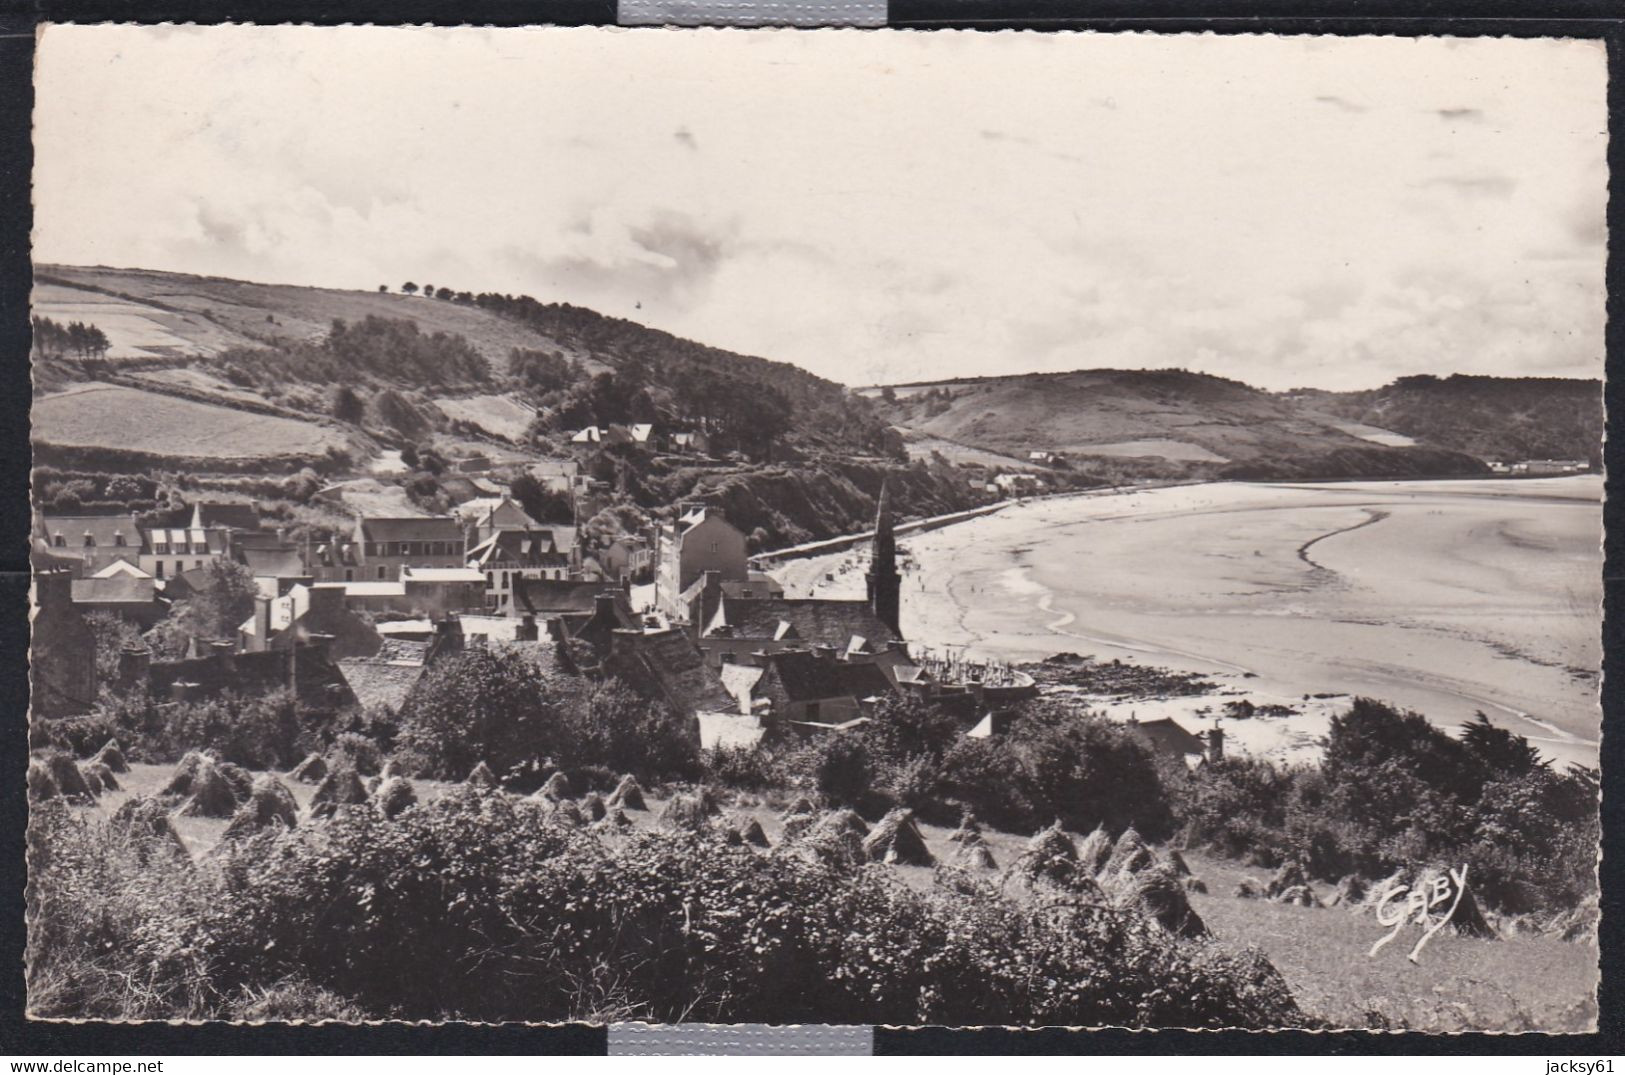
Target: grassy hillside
{"points": [[1158, 421], [1493, 418]]}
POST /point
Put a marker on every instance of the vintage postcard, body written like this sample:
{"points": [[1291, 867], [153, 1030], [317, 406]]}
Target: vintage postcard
{"points": [[816, 527]]}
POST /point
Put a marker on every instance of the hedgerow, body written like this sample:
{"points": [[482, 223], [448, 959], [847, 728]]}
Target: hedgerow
{"points": [[479, 906]]}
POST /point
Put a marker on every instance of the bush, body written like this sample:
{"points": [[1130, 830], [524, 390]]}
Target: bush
{"points": [[545, 923]]}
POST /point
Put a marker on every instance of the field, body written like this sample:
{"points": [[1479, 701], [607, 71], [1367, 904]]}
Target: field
{"points": [[922, 446], [501, 415], [1509, 984], [209, 314], [117, 418], [1444, 597]]}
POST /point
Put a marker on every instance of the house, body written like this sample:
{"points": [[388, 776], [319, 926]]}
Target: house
{"points": [[1548, 467], [88, 543], [1016, 484], [121, 567], [509, 555], [390, 545], [300, 615], [434, 591], [739, 629], [703, 541], [271, 556], [61, 650], [627, 556], [694, 442], [305, 668], [643, 433], [1167, 738], [504, 513], [385, 679], [590, 435], [239, 518], [461, 488], [816, 687], [128, 597], [664, 664], [172, 550], [338, 560], [567, 605], [1046, 458], [560, 476]]}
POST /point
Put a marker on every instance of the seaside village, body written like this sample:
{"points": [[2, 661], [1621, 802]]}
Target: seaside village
{"points": [[679, 612]]}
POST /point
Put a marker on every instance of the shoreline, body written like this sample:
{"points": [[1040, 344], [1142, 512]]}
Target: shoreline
{"points": [[1269, 626]]}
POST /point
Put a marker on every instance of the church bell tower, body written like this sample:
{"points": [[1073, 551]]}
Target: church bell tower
{"points": [[885, 583]]}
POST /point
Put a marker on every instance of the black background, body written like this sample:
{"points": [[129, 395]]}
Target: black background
{"points": [[18, 1037]]}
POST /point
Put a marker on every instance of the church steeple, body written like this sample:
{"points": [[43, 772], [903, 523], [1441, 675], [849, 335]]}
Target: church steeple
{"points": [[885, 583]]}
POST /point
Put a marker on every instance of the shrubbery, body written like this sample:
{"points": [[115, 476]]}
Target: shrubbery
{"points": [[478, 906], [1394, 791]]}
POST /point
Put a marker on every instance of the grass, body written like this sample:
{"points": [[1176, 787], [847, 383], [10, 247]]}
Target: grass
{"points": [[1511, 984], [118, 418]]}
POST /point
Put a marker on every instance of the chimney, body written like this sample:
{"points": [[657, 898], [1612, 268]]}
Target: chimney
{"points": [[220, 655], [325, 605], [53, 590], [1215, 744], [262, 625], [604, 605], [526, 631]]}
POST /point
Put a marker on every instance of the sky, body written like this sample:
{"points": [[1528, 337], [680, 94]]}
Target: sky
{"points": [[875, 206]]}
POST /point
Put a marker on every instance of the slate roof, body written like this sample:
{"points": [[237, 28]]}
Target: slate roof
{"points": [[280, 562], [121, 566], [1167, 736], [411, 528], [230, 516], [740, 680], [816, 621], [668, 664], [529, 548], [103, 529], [117, 589], [556, 597], [807, 677], [376, 683]]}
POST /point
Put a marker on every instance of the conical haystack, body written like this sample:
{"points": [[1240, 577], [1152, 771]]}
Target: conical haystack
{"points": [[1051, 859], [103, 774], [1350, 892], [799, 805], [186, 772], [242, 784], [1095, 849], [269, 804], [482, 777], [1290, 875], [1129, 855], [40, 784], [839, 848], [686, 812], [1171, 860], [1159, 896], [112, 756], [592, 806], [975, 855], [1195, 884], [313, 770], [92, 779], [896, 840], [1375, 892], [566, 812], [750, 831], [394, 794], [1298, 896], [967, 827], [798, 825], [844, 820], [614, 821], [212, 794], [340, 787], [556, 788], [70, 780], [144, 822], [1468, 918], [628, 795], [1247, 889]]}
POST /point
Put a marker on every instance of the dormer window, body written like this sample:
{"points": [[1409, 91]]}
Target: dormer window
{"points": [[118, 538], [60, 542], [90, 540]]}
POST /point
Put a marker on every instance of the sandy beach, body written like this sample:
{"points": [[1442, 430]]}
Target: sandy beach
{"points": [[1443, 597]]}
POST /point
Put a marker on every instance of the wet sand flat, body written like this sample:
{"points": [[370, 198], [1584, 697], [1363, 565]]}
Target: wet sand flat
{"points": [[1444, 597]]}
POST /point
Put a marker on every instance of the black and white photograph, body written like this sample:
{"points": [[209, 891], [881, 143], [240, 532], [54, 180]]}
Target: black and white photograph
{"points": [[921, 528]]}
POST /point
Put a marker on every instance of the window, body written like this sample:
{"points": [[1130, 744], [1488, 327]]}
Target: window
{"points": [[160, 566], [380, 571], [729, 657], [812, 710], [90, 541], [349, 574], [118, 539], [197, 563], [61, 542]]}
